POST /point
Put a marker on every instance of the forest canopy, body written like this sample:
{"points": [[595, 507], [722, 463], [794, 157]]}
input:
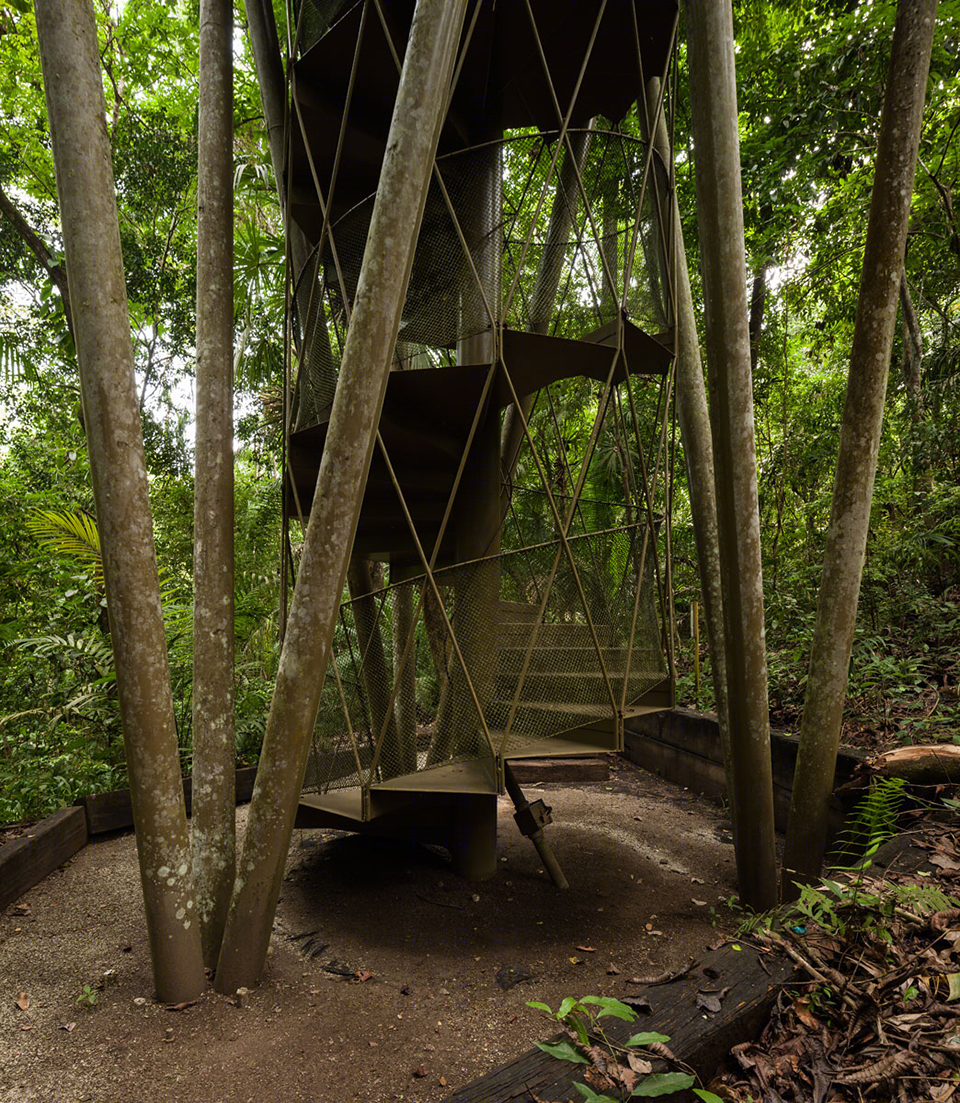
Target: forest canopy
{"points": [[810, 84]]}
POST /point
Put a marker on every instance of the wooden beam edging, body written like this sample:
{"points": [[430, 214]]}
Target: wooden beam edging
{"points": [[683, 746], [697, 1037], [57, 838], [51, 842], [113, 812]]}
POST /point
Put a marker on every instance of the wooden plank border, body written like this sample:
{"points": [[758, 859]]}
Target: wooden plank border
{"points": [[683, 746], [700, 1039], [113, 811], [27, 860]]}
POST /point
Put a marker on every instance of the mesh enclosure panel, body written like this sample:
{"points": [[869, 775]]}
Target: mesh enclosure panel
{"points": [[560, 657], [487, 223], [316, 17]]}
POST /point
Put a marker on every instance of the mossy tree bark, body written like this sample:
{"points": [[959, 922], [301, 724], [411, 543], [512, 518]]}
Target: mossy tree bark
{"points": [[214, 743], [385, 271], [73, 85], [713, 101], [859, 441]]}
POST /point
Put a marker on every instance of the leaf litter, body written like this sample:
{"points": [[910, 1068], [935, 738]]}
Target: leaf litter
{"points": [[874, 1011]]}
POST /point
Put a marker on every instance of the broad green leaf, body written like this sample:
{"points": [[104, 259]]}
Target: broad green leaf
{"points": [[707, 1097], [539, 1006], [566, 1007], [646, 1038], [564, 1051], [610, 1006], [662, 1083], [591, 1096]]}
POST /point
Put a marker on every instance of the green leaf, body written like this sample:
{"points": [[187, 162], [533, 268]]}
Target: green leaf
{"points": [[707, 1097], [646, 1038], [566, 1007], [539, 1006], [662, 1083], [954, 981], [564, 1051], [610, 1006], [591, 1096]]}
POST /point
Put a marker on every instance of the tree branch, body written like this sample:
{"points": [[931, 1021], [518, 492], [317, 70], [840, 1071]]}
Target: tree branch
{"points": [[56, 272]]}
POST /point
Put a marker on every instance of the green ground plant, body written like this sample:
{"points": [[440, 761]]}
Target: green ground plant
{"points": [[625, 1065]]}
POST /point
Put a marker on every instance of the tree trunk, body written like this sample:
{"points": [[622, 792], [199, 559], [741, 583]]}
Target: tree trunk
{"points": [[374, 675], [544, 295], [214, 743], [411, 146], [859, 441], [67, 36], [758, 301], [713, 101], [697, 439], [265, 45]]}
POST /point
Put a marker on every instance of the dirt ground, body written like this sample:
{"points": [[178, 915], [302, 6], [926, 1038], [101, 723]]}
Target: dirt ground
{"points": [[647, 862]]}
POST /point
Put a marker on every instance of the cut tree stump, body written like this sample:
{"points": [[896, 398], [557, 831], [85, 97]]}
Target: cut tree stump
{"points": [[697, 1037]]}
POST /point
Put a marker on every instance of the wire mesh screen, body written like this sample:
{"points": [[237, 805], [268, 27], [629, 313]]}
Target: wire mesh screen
{"points": [[565, 650], [316, 17], [529, 232]]}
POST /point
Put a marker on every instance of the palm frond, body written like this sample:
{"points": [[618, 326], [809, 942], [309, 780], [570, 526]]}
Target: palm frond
{"points": [[97, 650], [70, 533]]}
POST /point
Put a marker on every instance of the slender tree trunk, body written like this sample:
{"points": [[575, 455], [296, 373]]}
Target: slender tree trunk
{"points": [[265, 45], [758, 302], [411, 146], [373, 665], [713, 98], [697, 438], [544, 295], [67, 34], [214, 742], [859, 441]]}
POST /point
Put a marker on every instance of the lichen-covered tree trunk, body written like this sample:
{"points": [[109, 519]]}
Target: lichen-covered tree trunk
{"points": [[713, 102], [214, 749], [696, 435], [385, 272], [67, 35], [859, 441]]}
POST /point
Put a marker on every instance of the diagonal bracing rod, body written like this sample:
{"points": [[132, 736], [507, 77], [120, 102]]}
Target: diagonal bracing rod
{"points": [[531, 819]]}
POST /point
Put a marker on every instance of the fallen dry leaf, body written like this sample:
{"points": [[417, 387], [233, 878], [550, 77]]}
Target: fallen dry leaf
{"points": [[69, 1027], [360, 976], [699, 903], [23, 1001], [27, 1026], [419, 1072], [708, 1002], [586, 949], [170, 1006], [639, 1066]]}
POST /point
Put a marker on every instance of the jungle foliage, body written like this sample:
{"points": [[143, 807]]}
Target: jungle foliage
{"points": [[810, 76]]}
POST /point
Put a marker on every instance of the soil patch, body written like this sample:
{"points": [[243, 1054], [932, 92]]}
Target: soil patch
{"points": [[390, 977]]}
